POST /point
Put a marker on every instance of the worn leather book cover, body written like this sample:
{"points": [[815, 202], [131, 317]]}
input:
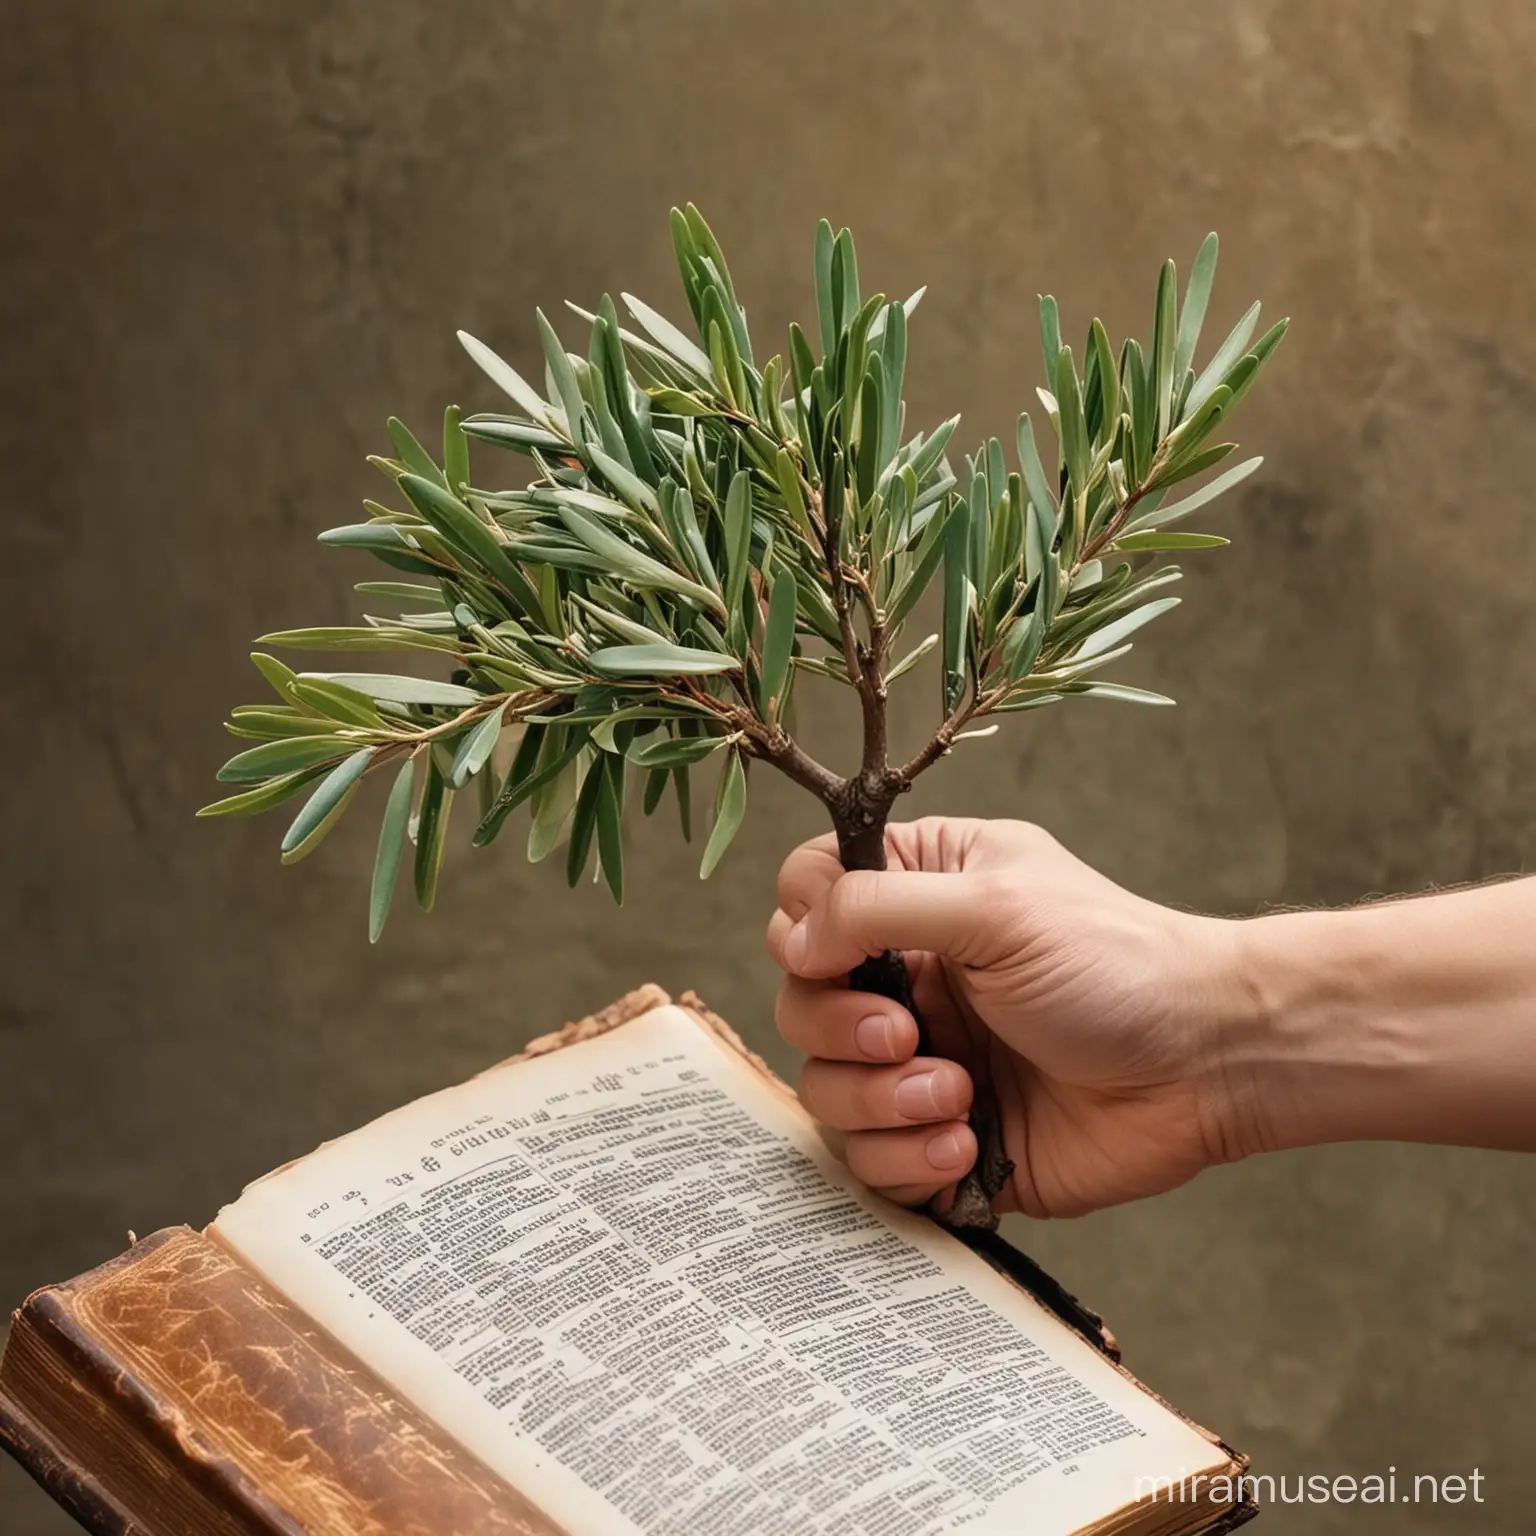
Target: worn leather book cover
{"points": [[175, 1380]]}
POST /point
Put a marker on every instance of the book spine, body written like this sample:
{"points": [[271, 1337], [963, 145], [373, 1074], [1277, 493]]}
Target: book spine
{"points": [[67, 1483]]}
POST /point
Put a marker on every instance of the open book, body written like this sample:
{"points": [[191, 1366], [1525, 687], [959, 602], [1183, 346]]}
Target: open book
{"points": [[614, 1286]]}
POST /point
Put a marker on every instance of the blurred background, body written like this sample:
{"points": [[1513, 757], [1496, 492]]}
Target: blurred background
{"points": [[237, 236]]}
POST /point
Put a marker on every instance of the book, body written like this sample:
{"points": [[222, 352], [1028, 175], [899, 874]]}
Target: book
{"points": [[614, 1286]]}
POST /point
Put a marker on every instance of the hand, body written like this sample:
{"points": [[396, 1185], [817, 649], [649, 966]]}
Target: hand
{"points": [[1090, 1013]]}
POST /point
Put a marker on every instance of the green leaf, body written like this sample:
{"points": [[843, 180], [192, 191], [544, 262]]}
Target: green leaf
{"points": [[336, 701], [1119, 691], [523, 781], [1193, 502], [1074, 430], [1021, 646], [1196, 464], [506, 378], [476, 748], [1132, 543], [279, 676], [659, 661], [455, 450], [957, 533], [431, 833], [674, 751], [467, 532], [521, 437], [826, 310], [361, 637], [1164, 339], [413, 592], [321, 831], [564, 376], [684, 789], [1196, 295], [778, 646], [610, 815], [930, 551], [583, 823], [1226, 356], [1109, 378], [279, 757], [1112, 634], [632, 564], [400, 689], [412, 454], [253, 801], [738, 539], [386, 862], [330, 791], [668, 337], [730, 806], [1033, 470], [655, 787], [1050, 333]]}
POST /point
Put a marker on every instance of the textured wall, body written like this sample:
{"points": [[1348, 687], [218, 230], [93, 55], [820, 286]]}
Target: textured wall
{"points": [[237, 235]]}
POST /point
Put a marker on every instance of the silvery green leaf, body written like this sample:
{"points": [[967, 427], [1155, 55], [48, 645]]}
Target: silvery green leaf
{"points": [[251, 802], [564, 377], [730, 807], [506, 378], [1050, 334], [610, 815], [274, 758], [455, 450], [674, 751], [912, 658], [778, 645], [518, 435], [475, 750], [1021, 647], [431, 834], [1196, 295], [1109, 377], [659, 661], [634, 565], [957, 606], [623, 480], [361, 638], [1117, 631], [1193, 502], [386, 862], [1152, 538], [1164, 340], [667, 336], [1119, 691], [412, 454], [1219, 366], [826, 303], [327, 795], [399, 688]]}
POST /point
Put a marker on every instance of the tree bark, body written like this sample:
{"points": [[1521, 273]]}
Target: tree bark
{"points": [[859, 815]]}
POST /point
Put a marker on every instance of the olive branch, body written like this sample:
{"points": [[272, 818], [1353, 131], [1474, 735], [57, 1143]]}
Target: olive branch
{"points": [[699, 531]]}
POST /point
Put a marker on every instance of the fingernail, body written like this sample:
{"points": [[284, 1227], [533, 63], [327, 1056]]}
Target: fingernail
{"points": [[916, 1099], [875, 1038], [947, 1151], [796, 942]]}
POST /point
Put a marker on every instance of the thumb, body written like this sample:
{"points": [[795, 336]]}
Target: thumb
{"points": [[865, 912]]}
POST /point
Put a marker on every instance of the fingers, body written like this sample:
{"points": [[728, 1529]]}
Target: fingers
{"points": [[839, 1025], [865, 912], [850, 1097], [911, 1166]]}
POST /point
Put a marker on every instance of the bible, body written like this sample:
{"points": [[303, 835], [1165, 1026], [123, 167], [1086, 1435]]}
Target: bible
{"points": [[615, 1286]]}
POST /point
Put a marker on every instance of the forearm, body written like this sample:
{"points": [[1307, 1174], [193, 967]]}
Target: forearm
{"points": [[1409, 1020]]}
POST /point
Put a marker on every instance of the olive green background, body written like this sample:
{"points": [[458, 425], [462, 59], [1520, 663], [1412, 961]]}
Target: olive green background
{"points": [[236, 235]]}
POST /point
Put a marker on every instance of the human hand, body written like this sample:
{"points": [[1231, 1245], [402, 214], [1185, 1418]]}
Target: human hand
{"points": [[1092, 1014]]}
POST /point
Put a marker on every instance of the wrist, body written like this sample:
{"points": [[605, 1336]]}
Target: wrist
{"points": [[1300, 1053]]}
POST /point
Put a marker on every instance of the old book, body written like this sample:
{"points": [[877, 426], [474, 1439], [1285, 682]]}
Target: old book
{"points": [[614, 1285]]}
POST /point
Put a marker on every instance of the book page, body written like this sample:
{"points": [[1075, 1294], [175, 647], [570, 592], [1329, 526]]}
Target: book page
{"points": [[629, 1277]]}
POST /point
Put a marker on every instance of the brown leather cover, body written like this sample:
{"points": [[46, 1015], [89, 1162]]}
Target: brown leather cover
{"points": [[173, 1391], [236, 1409]]}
